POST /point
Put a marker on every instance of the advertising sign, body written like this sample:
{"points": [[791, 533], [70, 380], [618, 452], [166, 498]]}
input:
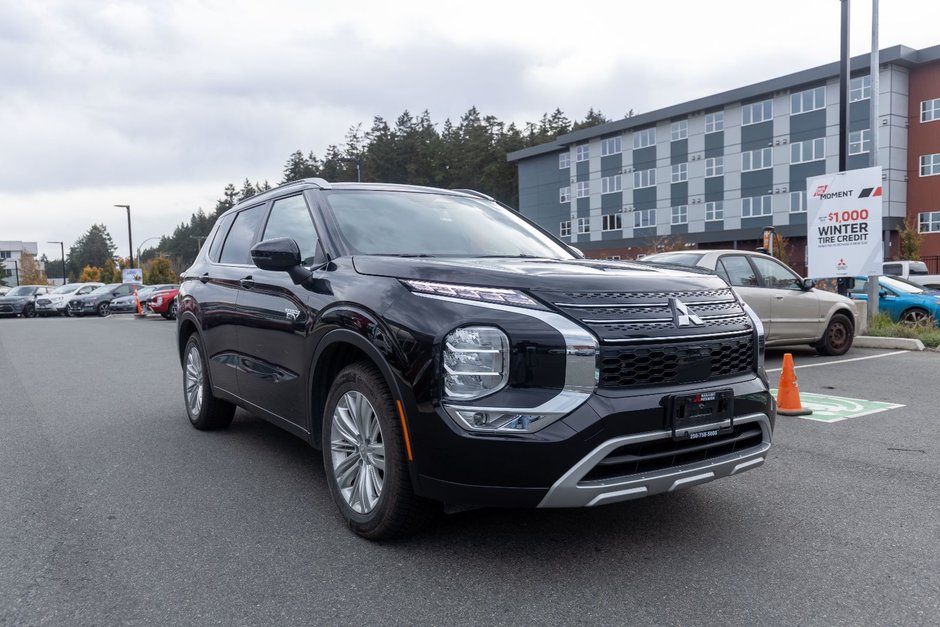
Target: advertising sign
{"points": [[132, 275], [843, 222]]}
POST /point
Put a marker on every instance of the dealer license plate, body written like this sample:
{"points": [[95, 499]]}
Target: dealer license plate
{"points": [[691, 414]]}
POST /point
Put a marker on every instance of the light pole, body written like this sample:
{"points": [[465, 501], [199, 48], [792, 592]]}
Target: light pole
{"points": [[62, 247], [130, 239]]}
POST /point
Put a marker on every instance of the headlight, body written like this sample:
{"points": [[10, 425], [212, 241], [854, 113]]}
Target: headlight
{"points": [[761, 337], [482, 294], [476, 362]]}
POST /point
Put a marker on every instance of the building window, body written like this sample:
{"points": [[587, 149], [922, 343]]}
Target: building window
{"points": [[680, 214], [860, 88], [756, 159], [564, 161], [582, 152], [809, 100], [930, 222], [757, 112], [714, 211], [644, 178], [860, 141], [643, 218], [583, 189], [6, 254], [611, 184], [614, 258], [565, 229], [755, 206], [714, 122], [930, 110], [680, 172], [715, 166], [680, 130], [810, 150], [798, 202], [564, 194], [612, 222], [642, 139], [930, 164], [611, 146], [584, 225]]}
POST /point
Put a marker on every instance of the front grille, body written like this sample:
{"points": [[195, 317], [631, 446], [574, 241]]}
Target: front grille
{"points": [[43, 302], [6, 309], [677, 363], [662, 454]]}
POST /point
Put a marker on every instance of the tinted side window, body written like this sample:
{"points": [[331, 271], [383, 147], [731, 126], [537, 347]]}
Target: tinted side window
{"points": [[736, 270], [220, 233], [290, 218], [240, 236], [892, 268]]}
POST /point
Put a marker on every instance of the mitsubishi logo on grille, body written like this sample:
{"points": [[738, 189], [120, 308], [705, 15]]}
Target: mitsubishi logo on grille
{"points": [[681, 315]]}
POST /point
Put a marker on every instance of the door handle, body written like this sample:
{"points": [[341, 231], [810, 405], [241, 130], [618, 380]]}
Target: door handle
{"points": [[779, 297], [204, 278], [247, 283]]}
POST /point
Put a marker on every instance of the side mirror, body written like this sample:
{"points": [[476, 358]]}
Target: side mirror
{"points": [[577, 251], [277, 255], [882, 293], [808, 284]]}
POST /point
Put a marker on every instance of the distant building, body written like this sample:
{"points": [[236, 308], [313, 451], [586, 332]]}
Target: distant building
{"points": [[717, 170], [10, 253]]}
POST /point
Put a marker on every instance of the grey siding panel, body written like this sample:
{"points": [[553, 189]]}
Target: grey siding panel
{"points": [[799, 173], [678, 151], [644, 158], [714, 226], [680, 229], [860, 115], [714, 188], [584, 207], [756, 223], [611, 164], [855, 162], [610, 236], [611, 201], [714, 144], [797, 218], [540, 179], [754, 136], [808, 125], [644, 198], [645, 233], [756, 183], [679, 193], [583, 170]]}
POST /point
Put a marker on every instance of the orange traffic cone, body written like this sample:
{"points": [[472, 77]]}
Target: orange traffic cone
{"points": [[788, 392]]}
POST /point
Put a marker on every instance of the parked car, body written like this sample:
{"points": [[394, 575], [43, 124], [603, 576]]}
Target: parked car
{"points": [[915, 271], [55, 303], [910, 304], [3, 290], [791, 310], [21, 300], [128, 304], [441, 348], [99, 301], [164, 302]]}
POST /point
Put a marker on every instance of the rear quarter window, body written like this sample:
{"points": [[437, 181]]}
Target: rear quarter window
{"points": [[235, 250]]}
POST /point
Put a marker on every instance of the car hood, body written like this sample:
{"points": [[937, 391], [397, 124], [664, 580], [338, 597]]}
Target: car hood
{"points": [[9, 300], [537, 274]]}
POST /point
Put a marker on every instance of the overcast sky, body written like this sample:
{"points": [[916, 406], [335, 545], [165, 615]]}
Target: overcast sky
{"points": [[160, 104]]}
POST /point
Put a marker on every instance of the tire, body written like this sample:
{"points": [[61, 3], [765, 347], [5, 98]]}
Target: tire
{"points": [[838, 337], [104, 309], [205, 411], [915, 316], [174, 310], [29, 311], [374, 492], [68, 313], [165, 315]]}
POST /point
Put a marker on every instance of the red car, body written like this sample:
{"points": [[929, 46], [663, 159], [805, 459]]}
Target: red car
{"points": [[164, 303]]}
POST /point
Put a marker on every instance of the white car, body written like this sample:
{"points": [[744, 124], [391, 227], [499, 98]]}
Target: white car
{"points": [[55, 302], [792, 311]]}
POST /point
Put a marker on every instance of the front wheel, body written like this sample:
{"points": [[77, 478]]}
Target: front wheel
{"points": [[29, 311], [365, 458], [838, 336], [104, 309], [206, 412], [915, 317]]}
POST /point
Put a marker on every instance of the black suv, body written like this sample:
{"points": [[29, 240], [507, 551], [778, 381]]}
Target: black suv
{"points": [[440, 348]]}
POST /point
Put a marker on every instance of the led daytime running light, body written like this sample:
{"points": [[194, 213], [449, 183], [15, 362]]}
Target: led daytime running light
{"points": [[482, 294]]}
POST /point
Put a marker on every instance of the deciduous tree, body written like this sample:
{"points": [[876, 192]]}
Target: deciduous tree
{"points": [[159, 270], [31, 273], [90, 274]]}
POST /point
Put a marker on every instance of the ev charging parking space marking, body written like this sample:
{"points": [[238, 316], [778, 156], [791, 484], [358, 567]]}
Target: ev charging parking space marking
{"points": [[828, 408]]}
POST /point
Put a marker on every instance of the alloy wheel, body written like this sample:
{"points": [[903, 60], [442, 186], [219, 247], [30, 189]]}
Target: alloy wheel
{"points": [[915, 317], [357, 452], [194, 381]]}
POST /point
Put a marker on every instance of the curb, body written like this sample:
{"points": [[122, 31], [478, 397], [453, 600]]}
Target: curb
{"points": [[899, 343]]}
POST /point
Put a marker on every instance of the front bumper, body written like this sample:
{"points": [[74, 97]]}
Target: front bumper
{"points": [[11, 309], [615, 447]]}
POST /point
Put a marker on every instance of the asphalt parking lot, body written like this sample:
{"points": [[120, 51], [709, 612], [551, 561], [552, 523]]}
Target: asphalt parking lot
{"points": [[114, 510]]}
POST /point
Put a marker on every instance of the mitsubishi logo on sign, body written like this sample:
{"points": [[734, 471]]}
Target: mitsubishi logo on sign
{"points": [[681, 315]]}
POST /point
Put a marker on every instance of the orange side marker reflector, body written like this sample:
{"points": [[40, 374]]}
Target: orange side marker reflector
{"points": [[404, 430]]}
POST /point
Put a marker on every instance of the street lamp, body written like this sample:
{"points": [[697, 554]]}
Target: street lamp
{"points": [[62, 247], [130, 239], [139, 248]]}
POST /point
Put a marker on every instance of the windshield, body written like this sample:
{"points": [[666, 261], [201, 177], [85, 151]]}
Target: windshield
{"points": [[66, 289], [417, 223], [680, 259], [104, 289], [23, 290], [903, 287]]}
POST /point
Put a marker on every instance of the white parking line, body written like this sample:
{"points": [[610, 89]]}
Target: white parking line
{"points": [[842, 361]]}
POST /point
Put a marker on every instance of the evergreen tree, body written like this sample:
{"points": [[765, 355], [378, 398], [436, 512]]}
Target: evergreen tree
{"points": [[593, 118], [94, 248], [159, 270]]}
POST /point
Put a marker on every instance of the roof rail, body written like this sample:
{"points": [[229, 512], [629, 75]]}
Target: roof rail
{"points": [[474, 192]]}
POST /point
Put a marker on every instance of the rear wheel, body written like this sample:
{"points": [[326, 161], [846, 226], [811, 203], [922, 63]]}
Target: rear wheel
{"points": [[205, 411], [915, 317], [838, 336], [174, 309], [365, 458]]}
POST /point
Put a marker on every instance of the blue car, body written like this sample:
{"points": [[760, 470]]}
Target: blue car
{"points": [[902, 300]]}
